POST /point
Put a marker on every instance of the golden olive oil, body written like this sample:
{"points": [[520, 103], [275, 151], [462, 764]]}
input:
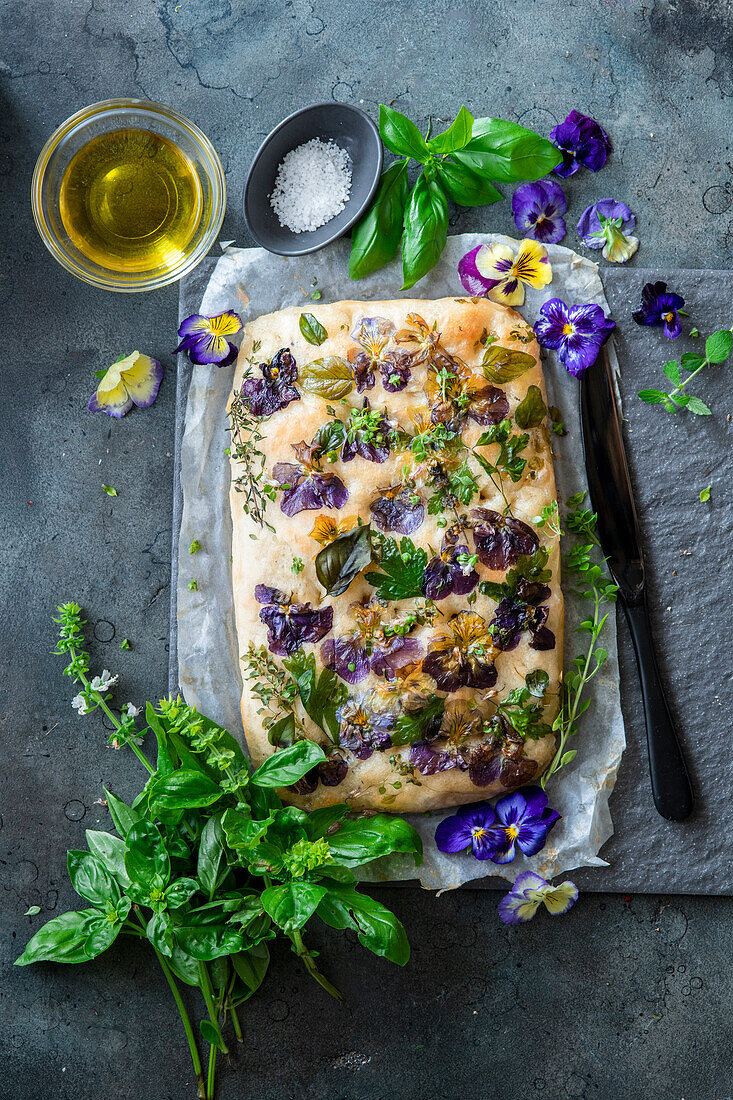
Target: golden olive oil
{"points": [[131, 200]]}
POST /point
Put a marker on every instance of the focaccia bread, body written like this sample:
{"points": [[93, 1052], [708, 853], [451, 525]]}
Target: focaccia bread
{"points": [[395, 558]]}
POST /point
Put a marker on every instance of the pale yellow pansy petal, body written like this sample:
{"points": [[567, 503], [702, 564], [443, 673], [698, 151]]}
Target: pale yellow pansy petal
{"points": [[141, 377], [494, 261], [510, 292]]}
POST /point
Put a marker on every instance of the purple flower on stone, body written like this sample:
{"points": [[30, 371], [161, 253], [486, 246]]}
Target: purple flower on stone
{"points": [[304, 486], [538, 209], [606, 224], [513, 616], [581, 140], [362, 729], [397, 508], [531, 890], [430, 761], [523, 820], [290, 624], [576, 333], [275, 390], [204, 338], [660, 306], [501, 540], [372, 334], [450, 572], [469, 828]]}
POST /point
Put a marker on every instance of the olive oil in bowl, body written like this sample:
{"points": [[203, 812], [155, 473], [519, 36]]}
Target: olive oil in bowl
{"points": [[131, 201]]}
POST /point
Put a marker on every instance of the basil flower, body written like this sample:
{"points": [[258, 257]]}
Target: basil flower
{"points": [[581, 140], [660, 306], [605, 225], [499, 272], [500, 540], [512, 617], [463, 656], [450, 572], [367, 435], [523, 820], [368, 648], [362, 729], [397, 508], [575, 333], [133, 380], [290, 624], [275, 390], [304, 486], [531, 890], [538, 209], [373, 334], [430, 761], [204, 338]]}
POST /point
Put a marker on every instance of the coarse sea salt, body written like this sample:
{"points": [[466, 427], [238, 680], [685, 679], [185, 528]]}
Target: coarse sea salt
{"points": [[312, 185]]}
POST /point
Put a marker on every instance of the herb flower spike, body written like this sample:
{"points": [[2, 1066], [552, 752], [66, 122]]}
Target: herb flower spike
{"points": [[132, 380], [204, 338], [531, 890], [576, 333], [499, 271], [607, 225], [660, 307]]}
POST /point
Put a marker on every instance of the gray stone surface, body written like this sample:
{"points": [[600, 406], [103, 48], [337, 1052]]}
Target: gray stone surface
{"points": [[622, 997]]}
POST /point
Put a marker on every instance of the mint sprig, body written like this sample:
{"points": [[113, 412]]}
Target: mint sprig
{"points": [[718, 348]]}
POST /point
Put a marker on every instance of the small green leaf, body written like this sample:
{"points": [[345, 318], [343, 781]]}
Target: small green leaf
{"points": [[376, 238], [507, 153], [282, 731], [193, 585], [718, 346], [501, 365], [288, 765], [183, 790], [567, 757], [653, 397], [123, 816], [342, 560], [312, 329], [251, 965], [705, 494], [691, 360], [466, 187], [425, 230], [456, 136], [292, 904], [33, 911], [401, 135], [356, 842], [377, 928], [109, 490], [672, 372], [125, 644], [194, 547], [211, 1036], [180, 891], [532, 410], [90, 879], [695, 405], [330, 378]]}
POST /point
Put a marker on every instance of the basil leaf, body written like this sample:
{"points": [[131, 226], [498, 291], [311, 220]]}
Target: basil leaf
{"points": [[242, 832], [282, 732], [507, 152], [358, 841], [183, 790], [537, 681], [73, 937], [320, 695], [166, 761], [456, 136], [330, 435], [288, 765], [292, 904], [401, 135], [180, 891], [210, 855], [502, 365], [375, 239], [110, 851], [211, 1036], [251, 965], [312, 329], [90, 879], [122, 815], [207, 941], [319, 822], [718, 346], [532, 410], [146, 860], [342, 560], [466, 187], [330, 378], [377, 928], [426, 230]]}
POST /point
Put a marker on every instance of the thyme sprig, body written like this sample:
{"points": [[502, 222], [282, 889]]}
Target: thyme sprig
{"points": [[244, 428]]}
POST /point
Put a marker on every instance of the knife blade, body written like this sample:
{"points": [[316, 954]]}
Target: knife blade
{"points": [[617, 527]]}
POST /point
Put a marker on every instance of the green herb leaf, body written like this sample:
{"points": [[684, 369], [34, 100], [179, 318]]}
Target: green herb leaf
{"points": [[376, 238], [182, 790], [691, 360], [695, 405], [318, 822], [653, 397], [672, 371], [211, 1035], [412, 725], [330, 435], [292, 904], [507, 153], [32, 911], [368, 838], [532, 410], [146, 859], [312, 329], [466, 187], [537, 682], [329, 378], [426, 230], [207, 941], [194, 547], [73, 937], [109, 490], [242, 832], [502, 365], [321, 695], [377, 928], [288, 765], [282, 731], [402, 567], [110, 851], [705, 494], [90, 879], [251, 965], [718, 346], [123, 816], [342, 560], [401, 135], [456, 136]]}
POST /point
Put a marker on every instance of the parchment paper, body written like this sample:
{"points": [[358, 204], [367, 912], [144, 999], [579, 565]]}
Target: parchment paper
{"points": [[253, 281]]}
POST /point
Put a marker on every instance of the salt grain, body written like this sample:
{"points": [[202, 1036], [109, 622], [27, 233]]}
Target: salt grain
{"points": [[312, 185]]}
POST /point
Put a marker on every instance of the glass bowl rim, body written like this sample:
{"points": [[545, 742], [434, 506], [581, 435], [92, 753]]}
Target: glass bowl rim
{"points": [[214, 172]]}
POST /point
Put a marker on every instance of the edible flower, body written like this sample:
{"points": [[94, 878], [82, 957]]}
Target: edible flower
{"points": [[326, 529], [455, 395], [660, 306], [204, 338], [581, 140], [605, 225], [373, 334], [367, 647], [133, 380], [450, 572], [576, 333], [362, 729], [538, 209], [304, 486], [501, 759], [430, 761], [531, 890], [463, 655], [513, 616], [408, 686], [275, 390], [397, 508], [470, 827], [366, 435], [499, 271], [500, 540], [290, 624], [523, 820]]}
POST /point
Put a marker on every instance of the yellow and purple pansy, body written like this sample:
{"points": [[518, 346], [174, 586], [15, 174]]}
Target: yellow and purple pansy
{"points": [[133, 380], [607, 224], [373, 334], [205, 338], [369, 647], [576, 333], [304, 486], [499, 271], [531, 890], [520, 820], [463, 654], [275, 389]]}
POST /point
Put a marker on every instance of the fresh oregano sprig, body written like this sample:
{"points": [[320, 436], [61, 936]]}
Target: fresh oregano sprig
{"points": [[718, 348]]}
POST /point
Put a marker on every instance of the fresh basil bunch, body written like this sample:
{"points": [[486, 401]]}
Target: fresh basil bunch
{"points": [[461, 164], [208, 865]]}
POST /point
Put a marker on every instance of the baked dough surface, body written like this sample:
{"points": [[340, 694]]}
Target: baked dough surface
{"points": [[471, 757]]}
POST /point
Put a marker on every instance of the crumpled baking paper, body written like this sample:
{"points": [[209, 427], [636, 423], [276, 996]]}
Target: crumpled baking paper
{"points": [[252, 282]]}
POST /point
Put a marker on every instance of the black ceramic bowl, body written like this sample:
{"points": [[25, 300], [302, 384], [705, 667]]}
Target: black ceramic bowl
{"points": [[348, 127]]}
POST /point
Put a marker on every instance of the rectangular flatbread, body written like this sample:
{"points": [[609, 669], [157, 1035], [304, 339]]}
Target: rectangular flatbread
{"points": [[395, 558]]}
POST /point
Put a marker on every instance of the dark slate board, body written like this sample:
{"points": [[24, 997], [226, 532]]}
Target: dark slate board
{"points": [[686, 544]]}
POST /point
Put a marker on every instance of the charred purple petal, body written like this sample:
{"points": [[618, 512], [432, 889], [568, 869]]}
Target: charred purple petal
{"points": [[347, 657], [484, 764], [275, 390], [315, 490], [394, 653], [362, 730], [333, 771], [446, 576], [395, 371], [398, 509], [507, 624], [290, 625], [500, 540], [429, 761], [363, 372]]}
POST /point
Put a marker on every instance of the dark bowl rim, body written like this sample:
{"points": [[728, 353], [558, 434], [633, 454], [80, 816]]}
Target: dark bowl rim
{"points": [[345, 228]]}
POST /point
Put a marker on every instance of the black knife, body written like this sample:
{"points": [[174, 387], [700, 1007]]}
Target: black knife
{"points": [[618, 533]]}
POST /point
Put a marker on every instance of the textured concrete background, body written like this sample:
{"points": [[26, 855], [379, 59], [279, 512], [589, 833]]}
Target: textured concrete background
{"points": [[626, 996]]}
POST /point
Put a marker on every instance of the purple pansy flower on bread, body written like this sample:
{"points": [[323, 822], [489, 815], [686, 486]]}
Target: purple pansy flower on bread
{"points": [[514, 616], [304, 486], [463, 654], [369, 647], [290, 624], [500, 540], [363, 729], [397, 508], [275, 389], [450, 572], [372, 334]]}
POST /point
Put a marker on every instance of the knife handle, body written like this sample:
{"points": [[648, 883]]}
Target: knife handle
{"points": [[671, 786]]}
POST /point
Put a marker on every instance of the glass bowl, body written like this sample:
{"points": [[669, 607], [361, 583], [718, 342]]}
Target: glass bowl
{"points": [[124, 114]]}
